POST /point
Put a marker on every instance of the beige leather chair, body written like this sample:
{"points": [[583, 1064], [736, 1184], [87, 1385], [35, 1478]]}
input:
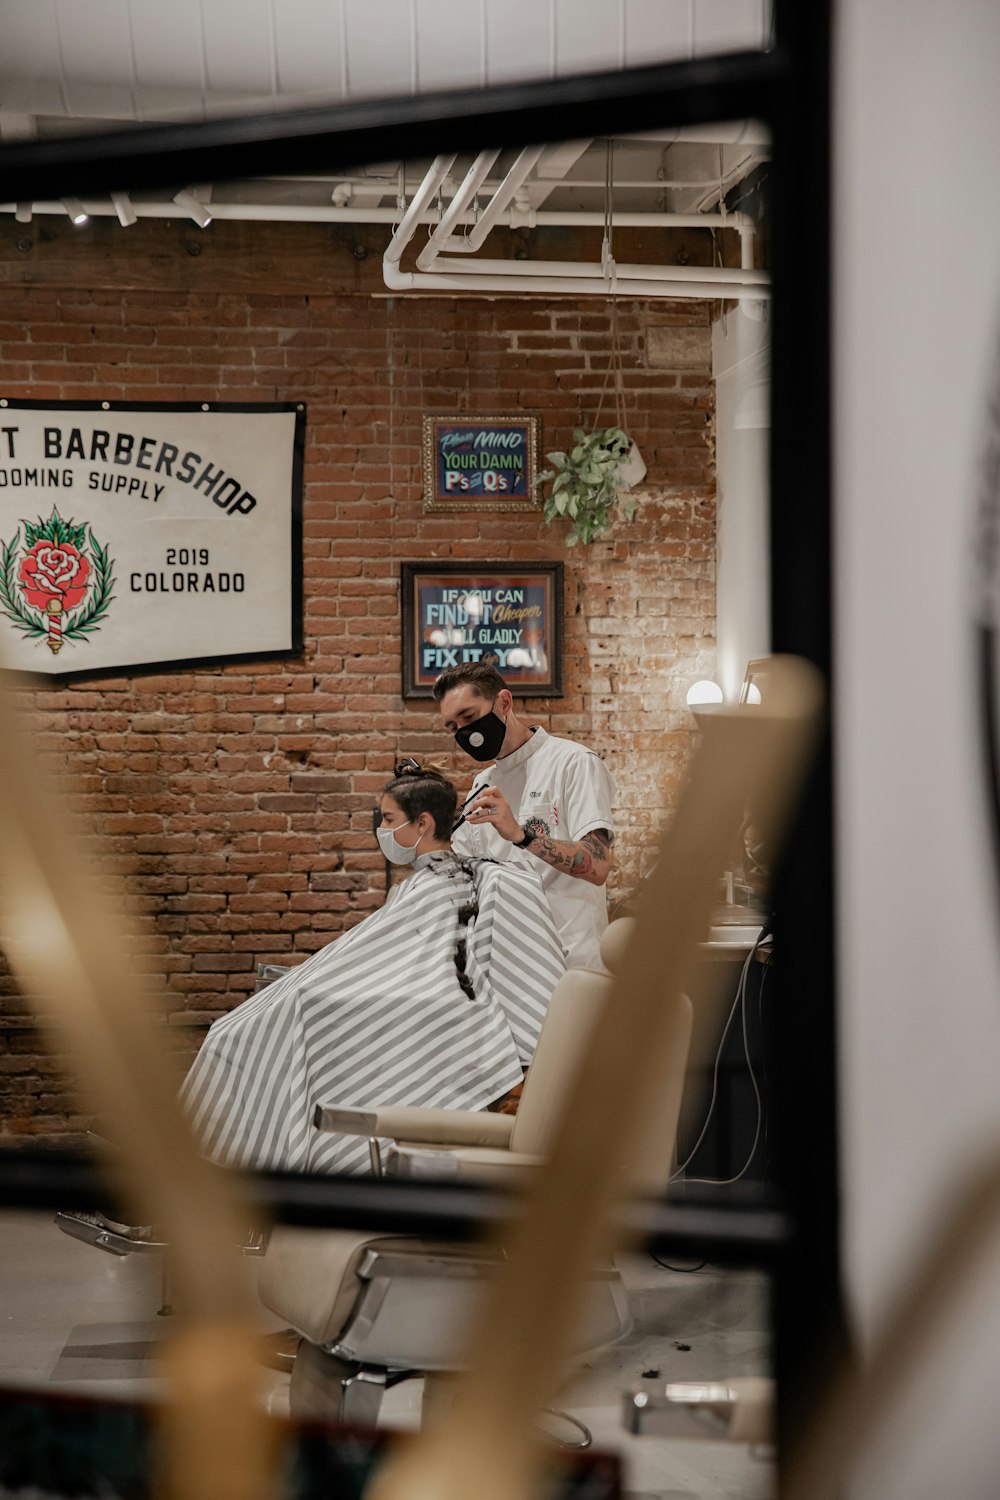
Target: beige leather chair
{"points": [[373, 1308]]}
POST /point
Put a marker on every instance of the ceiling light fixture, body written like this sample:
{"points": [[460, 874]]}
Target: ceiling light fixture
{"points": [[22, 213], [75, 209], [122, 205], [197, 211]]}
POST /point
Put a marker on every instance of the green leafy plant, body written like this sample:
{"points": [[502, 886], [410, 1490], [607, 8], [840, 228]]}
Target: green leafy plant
{"points": [[585, 483]]}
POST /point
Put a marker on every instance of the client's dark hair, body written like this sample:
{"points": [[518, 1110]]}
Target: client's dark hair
{"points": [[483, 676], [418, 789]]}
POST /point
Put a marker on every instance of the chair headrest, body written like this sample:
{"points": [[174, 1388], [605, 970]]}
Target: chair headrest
{"points": [[615, 942]]}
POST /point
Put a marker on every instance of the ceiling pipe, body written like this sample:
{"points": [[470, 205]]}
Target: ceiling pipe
{"points": [[523, 167], [437, 272], [647, 185], [439, 169], [474, 179], [619, 271], [417, 281], [330, 214]]}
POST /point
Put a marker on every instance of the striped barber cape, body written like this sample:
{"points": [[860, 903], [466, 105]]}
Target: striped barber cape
{"points": [[380, 1017]]}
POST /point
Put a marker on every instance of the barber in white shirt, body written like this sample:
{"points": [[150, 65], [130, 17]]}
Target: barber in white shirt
{"points": [[545, 799]]}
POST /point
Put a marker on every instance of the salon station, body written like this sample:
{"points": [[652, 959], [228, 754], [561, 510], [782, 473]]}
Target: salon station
{"points": [[427, 1026]]}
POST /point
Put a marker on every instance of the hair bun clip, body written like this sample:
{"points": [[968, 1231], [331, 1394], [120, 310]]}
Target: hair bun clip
{"points": [[407, 767]]}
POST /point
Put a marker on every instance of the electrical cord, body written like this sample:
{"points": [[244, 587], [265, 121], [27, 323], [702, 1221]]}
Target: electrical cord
{"points": [[739, 1002], [728, 1181], [687, 1270]]}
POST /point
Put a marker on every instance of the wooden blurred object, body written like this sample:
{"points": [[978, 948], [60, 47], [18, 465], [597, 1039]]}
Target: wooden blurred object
{"points": [[749, 757], [67, 942], [854, 1403]]}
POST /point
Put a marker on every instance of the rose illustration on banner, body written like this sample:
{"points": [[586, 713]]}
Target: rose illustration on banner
{"points": [[47, 574]]}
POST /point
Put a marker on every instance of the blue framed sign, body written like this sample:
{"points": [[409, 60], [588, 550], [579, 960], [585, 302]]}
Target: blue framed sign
{"points": [[510, 614], [480, 463]]}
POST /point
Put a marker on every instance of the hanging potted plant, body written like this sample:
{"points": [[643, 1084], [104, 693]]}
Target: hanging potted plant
{"points": [[590, 480]]}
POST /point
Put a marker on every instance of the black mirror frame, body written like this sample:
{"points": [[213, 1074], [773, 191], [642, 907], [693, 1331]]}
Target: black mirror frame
{"points": [[788, 88]]}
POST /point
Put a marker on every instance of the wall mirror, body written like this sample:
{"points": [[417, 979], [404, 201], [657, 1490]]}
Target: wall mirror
{"points": [[614, 280]]}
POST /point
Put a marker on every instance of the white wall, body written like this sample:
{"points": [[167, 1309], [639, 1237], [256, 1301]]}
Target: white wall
{"points": [[917, 320], [741, 366]]}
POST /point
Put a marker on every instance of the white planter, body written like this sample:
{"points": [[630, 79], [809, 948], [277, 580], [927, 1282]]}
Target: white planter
{"points": [[632, 470]]}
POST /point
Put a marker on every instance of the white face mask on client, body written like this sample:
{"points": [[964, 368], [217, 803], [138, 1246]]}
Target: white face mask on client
{"points": [[395, 852]]}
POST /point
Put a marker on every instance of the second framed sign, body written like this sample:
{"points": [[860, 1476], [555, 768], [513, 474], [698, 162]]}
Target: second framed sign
{"points": [[480, 463], [509, 614]]}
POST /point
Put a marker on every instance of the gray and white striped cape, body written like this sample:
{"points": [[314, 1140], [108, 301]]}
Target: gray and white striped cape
{"points": [[378, 1017]]}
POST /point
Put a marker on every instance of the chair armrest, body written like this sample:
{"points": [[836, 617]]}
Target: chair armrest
{"points": [[437, 1127], [479, 1163], [482, 1161]]}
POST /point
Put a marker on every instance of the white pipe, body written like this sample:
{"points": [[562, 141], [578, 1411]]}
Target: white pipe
{"points": [[474, 179], [722, 275], [523, 166], [648, 185], [331, 214], [724, 133], [439, 169], [416, 281]]}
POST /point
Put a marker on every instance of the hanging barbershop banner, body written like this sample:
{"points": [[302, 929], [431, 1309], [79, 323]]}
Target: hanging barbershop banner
{"points": [[148, 534]]}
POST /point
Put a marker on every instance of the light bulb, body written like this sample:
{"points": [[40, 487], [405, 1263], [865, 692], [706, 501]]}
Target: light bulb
{"points": [[703, 692]]}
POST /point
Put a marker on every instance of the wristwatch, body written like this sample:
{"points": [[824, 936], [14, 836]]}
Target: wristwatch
{"points": [[529, 837]]}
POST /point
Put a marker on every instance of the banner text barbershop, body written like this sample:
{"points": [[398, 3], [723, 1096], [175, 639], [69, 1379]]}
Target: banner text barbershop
{"points": [[151, 454]]}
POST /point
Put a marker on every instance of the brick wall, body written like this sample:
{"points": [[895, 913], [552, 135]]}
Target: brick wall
{"points": [[233, 804]]}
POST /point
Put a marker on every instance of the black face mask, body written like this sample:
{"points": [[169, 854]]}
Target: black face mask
{"points": [[482, 738]]}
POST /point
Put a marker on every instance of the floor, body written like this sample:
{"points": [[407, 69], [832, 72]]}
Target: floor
{"points": [[76, 1319]]}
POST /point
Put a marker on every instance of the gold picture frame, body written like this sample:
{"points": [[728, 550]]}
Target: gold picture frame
{"points": [[480, 463]]}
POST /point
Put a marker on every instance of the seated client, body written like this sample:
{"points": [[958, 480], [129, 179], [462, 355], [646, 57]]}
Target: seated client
{"points": [[436, 999]]}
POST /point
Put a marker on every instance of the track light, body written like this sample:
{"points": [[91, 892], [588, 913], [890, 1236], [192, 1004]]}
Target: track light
{"points": [[75, 209], [22, 213], [197, 211], [123, 208]]}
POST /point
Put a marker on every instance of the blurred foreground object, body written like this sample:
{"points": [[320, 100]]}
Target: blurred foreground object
{"points": [[66, 940]]}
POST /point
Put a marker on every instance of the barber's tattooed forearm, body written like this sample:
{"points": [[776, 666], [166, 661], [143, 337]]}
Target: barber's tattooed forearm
{"points": [[587, 859], [554, 853], [599, 842]]}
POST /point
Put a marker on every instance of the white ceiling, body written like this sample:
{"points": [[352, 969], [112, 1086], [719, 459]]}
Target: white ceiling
{"points": [[106, 61], [84, 65]]}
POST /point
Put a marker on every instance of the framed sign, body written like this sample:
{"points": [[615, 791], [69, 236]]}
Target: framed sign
{"points": [[509, 614], [144, 535], [480, 463]]}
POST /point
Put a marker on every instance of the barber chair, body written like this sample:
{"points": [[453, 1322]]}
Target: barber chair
{"points": [[375, 1309], [101, 1233]]}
